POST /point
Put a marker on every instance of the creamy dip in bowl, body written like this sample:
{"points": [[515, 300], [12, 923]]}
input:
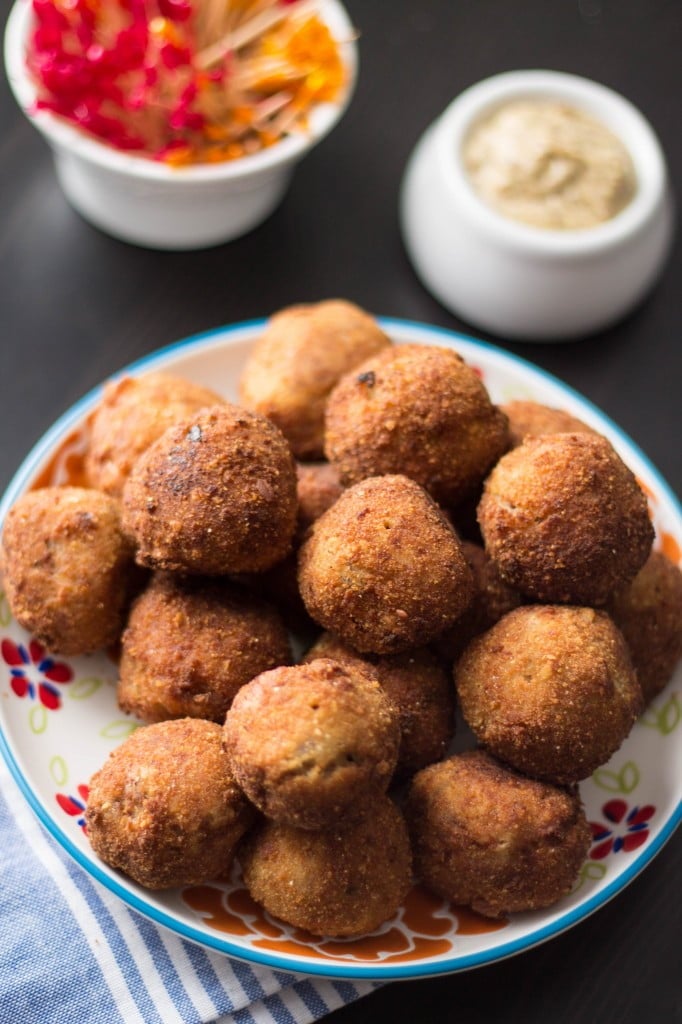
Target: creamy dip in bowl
{"points": [[549, 164], [552, 227]]}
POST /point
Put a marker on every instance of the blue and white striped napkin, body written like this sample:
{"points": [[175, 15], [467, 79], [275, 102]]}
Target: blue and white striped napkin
{"points": [[72, 953]]}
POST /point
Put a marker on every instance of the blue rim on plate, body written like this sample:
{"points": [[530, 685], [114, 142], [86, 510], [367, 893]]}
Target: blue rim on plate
{"points": [[368, 971]]}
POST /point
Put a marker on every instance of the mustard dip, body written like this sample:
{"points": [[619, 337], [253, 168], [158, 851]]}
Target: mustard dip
{"points": [[549, 164]]}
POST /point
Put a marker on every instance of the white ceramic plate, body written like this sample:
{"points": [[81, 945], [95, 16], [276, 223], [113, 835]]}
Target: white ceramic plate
{"points": [[60, 720]]}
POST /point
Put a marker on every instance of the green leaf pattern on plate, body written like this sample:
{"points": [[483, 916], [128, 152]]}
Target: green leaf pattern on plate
{"points": [[59, 770], [37, 719], [83, 688], [591, 871], [665, 718], [624, 781], [119, 729]]}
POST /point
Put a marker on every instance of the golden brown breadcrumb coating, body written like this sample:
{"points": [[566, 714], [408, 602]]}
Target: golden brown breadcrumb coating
{"points": [[337, 883], [214, 495], [318, 487], [550, 689], [531, 419], [486, 837], [279, 586], [419, 689], [133, 413], [301, 355], [648, 611], [191, 643], [164, 807], [565, 519], [492, 599], [383, 568], [310, 743], [68, 569], [418, 410], [463, 517]]}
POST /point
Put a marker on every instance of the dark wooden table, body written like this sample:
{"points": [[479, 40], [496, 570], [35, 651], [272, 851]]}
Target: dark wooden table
{"points": [[76, 305]]}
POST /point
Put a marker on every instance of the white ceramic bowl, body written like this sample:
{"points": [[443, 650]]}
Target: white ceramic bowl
{"points": [[526, 282], [151, 204]]}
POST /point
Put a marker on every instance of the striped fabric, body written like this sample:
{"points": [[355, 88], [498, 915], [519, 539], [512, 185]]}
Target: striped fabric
{"points": [[72, 953]]}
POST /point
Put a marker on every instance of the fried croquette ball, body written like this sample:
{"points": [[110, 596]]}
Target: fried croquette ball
{"points": [[492, 599], [565, 519], [165, 809], [279, 587], [648, 611], [419, 689], [318, 487], [550, 690], [463, 517], [214, 495], [191, 643], [341, 882], [133, 413], [531, 419], [420, 411], [309, 744], [68, 569], [484, 836], [301, 355], [383, 569]]}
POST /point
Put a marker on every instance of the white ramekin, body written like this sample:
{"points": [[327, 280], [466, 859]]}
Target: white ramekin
{"points": [[152, 204], [524, 282]]}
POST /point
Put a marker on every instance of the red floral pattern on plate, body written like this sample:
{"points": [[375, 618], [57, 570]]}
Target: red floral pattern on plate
{"points": [[33, 673], [632, 832], [75, 805]]}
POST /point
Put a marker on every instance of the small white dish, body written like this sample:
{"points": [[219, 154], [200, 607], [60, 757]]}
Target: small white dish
{"points": [[525, 282], [152, 204]]}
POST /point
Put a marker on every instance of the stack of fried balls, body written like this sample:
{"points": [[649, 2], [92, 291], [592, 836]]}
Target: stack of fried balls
{"points": [[370, 499]]}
